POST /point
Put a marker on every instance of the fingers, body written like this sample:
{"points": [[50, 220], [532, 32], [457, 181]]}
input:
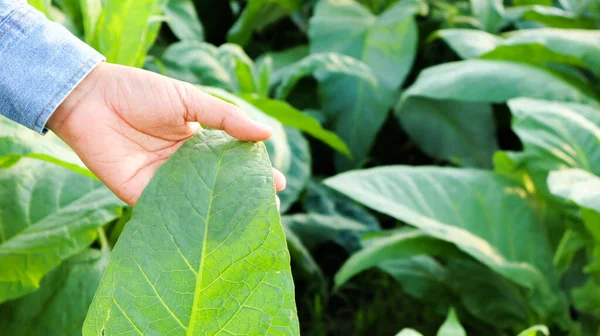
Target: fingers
{"points": [[279, 180], [216, 113]]}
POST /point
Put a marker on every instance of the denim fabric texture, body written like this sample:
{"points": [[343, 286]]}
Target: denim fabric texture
{"points": [[41, 62]]}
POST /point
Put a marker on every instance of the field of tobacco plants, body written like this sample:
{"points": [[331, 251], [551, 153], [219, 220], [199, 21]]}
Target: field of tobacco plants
{"points": [[443, 176]]}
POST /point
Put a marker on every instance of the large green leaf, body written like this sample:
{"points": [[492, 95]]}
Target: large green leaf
{"points": [[494, 82], [468, 208], [126, 29], [387, 43], [461, 138], [555, 136], [183, 20], [570, 46], [322, 66], [289, 116], [197, 63], [577, 185], [461, 132], [402, 245], [47, 214], [204, 252], [17, 141], [60, 305]]}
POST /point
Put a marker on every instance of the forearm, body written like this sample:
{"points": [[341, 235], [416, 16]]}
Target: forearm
{"points": [[40, 64]]}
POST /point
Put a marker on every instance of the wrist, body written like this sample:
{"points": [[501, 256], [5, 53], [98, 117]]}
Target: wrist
{"points": [[80, 93]]}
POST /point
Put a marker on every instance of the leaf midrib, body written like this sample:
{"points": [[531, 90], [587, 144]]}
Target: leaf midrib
{"points": [[192, 323]]}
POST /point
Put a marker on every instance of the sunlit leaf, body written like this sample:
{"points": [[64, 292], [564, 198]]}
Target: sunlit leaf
{"points": [[204, 251]]}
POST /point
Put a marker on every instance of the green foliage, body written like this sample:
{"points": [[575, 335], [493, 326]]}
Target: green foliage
{"points": [[485, 114], [177, 257]]}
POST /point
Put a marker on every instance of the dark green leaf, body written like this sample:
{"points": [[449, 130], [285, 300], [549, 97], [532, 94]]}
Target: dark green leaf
{"points": [[322, 66], [461, 132], [387, 43]]}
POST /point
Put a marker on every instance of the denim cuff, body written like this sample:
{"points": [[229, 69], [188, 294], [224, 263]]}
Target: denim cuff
{"points": [[41, 62]]}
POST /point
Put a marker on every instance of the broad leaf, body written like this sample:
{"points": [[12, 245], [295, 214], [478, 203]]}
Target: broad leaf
{"points": [[323, 66], [575, 47], [495, 82], [183, 20], [289, 116], [460, 132], [467, 208], [197, 63], [17, 141], [47, 214], [555, 136], [468, 82], [387, 43], [576, 185], [402, 245], [60, 305], [206, 225], [451, 326]]}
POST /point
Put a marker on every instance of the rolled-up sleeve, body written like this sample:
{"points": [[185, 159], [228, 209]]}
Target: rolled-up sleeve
{"points": [[41, 62]]}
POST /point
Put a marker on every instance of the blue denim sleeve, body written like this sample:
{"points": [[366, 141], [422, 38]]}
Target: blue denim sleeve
{"points": [[40, 64]]}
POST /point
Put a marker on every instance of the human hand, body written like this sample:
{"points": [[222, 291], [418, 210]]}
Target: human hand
{"points": [[125, 122]]}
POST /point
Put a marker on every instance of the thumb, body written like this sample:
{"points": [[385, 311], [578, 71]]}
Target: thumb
{"points": [[213, 112]]}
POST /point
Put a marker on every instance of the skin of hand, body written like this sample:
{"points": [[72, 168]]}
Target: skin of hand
{"points": [[125, 122]]}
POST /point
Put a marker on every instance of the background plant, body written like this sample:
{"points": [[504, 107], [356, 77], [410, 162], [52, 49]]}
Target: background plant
{"points": [[441, 157]]}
